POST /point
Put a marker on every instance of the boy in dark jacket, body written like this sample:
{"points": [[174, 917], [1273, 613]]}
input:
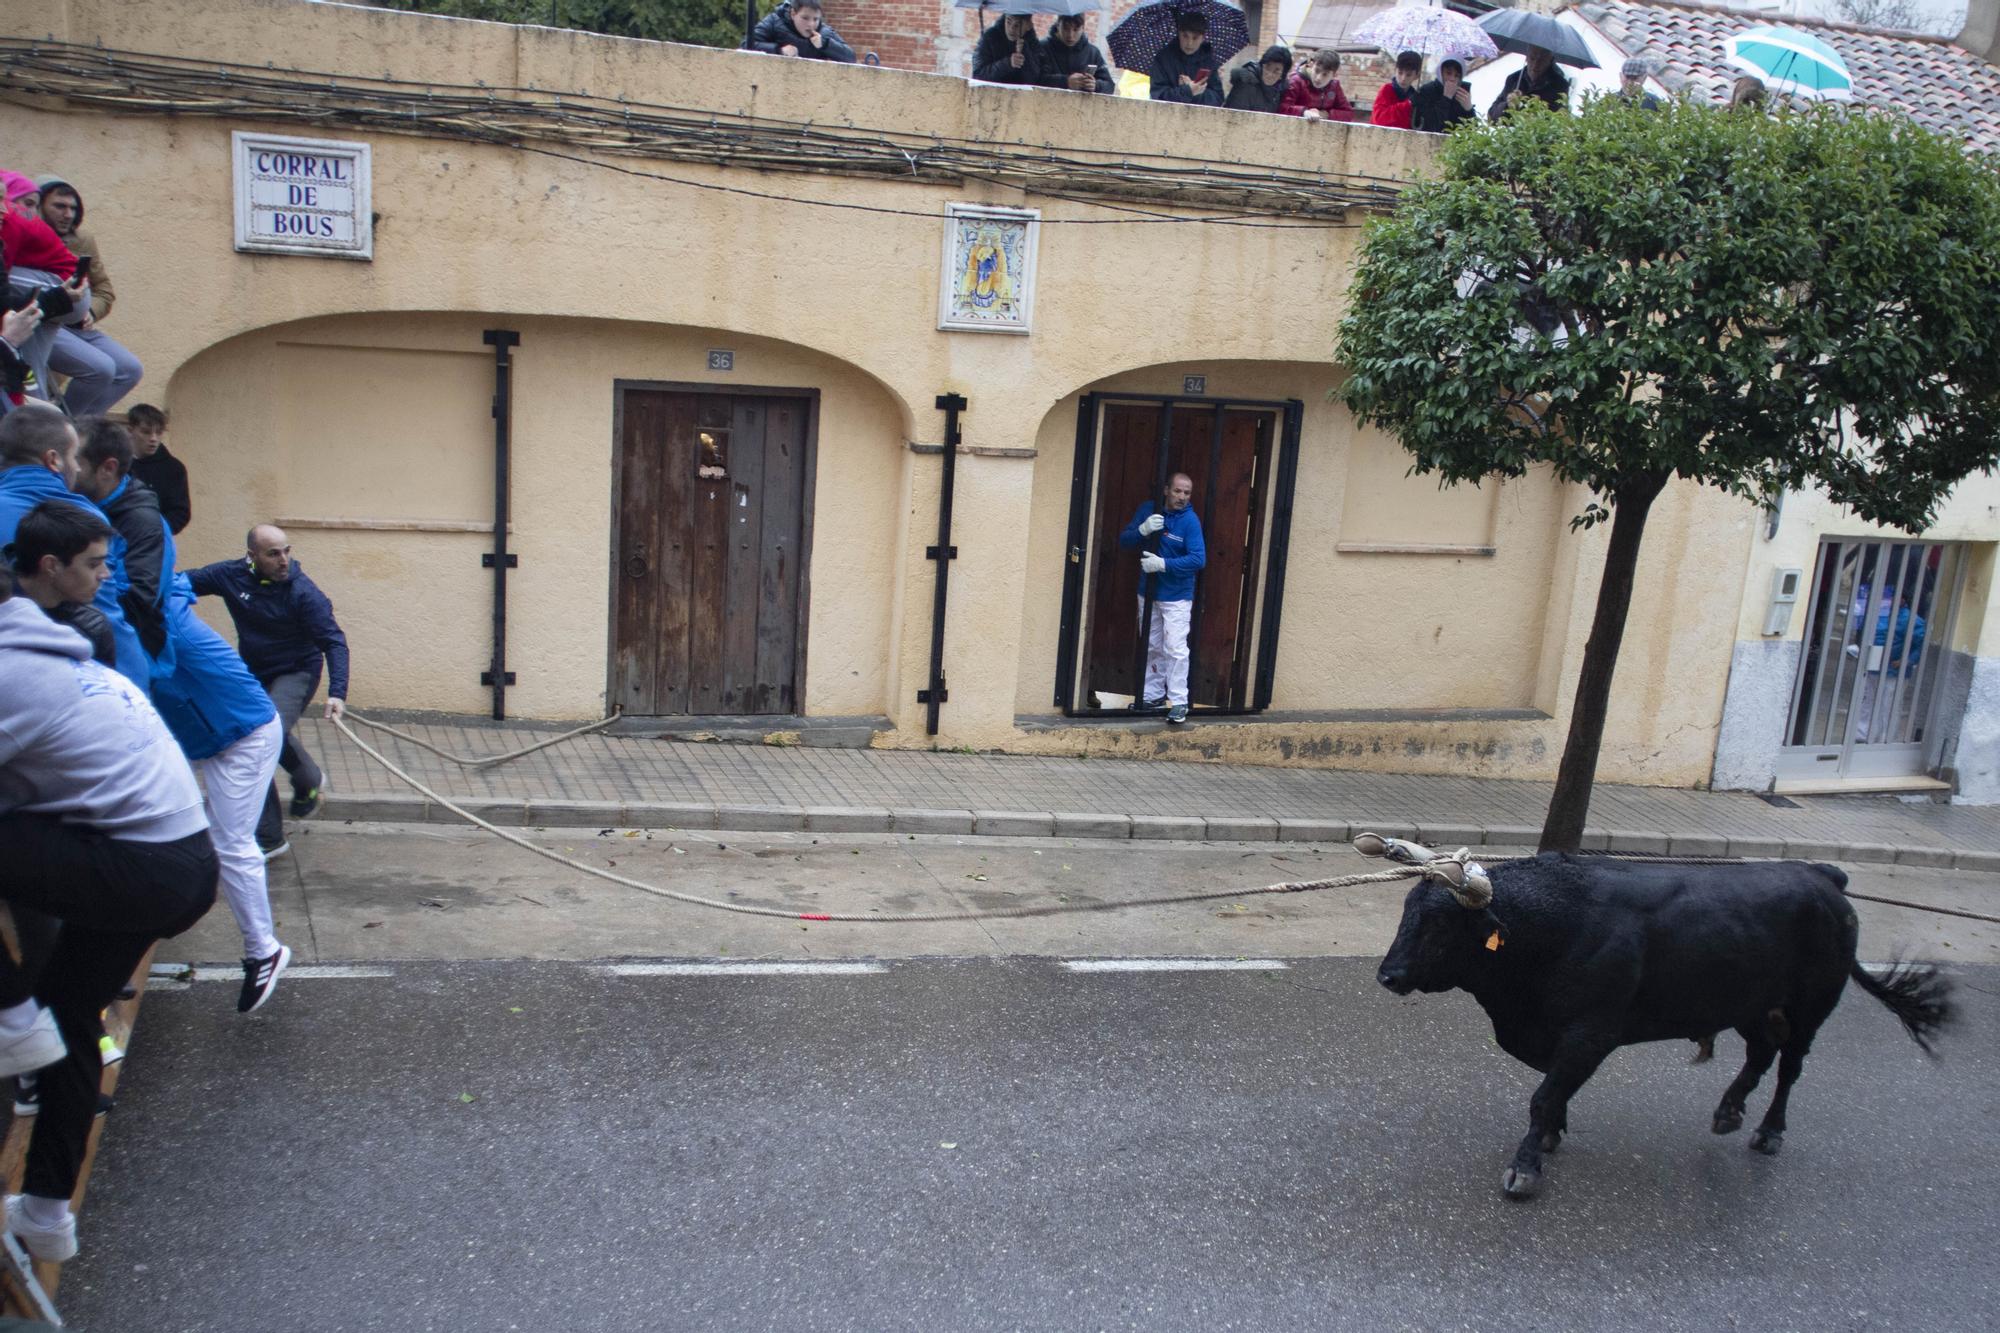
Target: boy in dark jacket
{"points": [[1009, 52], [1072, 61], [155, 464], [1443, 102], [799, 28], [1260, 86], [1186, 69], [140, 582]]}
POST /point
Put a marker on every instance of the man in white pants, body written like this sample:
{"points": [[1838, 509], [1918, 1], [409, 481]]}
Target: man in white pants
{"points": [[228, 728], [1168, 565]]}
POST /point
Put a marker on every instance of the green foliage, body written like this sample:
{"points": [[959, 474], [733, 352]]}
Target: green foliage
{"points": [[697, 22], [1743, 301]]}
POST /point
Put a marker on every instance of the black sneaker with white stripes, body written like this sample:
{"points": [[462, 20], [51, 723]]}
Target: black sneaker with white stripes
{"points": [[27, 1095], [260, 978]]}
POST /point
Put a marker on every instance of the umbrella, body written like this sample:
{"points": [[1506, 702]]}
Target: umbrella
{"points": [[1138, 36], [1427, 30], [1069, 7], [1519, 30], [1790, 61]]}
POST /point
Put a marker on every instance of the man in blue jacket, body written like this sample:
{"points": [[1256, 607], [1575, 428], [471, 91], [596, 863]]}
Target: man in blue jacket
{"points": [[38, 461], [1168, 567], [285, 631]]}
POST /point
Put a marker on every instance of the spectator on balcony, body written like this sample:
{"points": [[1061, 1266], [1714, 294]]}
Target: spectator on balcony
{"points": [[1186, 69], [1443, 102], [1632, 85], [799, 28], [1071, 60], [35, 257], [1749, 94], [1009, 52], [1315, 92], [1260, 85], [100, 370], [1393, 105], [1538, 78]]}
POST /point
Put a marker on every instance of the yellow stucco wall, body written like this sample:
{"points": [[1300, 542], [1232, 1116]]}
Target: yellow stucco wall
{"points": [[321, 389]]}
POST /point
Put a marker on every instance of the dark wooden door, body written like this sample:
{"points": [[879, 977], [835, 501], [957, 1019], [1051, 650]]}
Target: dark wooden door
{"points": [[1229, 470], [709, 553]]}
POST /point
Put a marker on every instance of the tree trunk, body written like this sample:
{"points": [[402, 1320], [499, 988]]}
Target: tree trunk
{"points": [[1570, 804]]}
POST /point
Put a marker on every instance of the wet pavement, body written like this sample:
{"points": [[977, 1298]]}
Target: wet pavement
{"points": [[1000, 1143]]}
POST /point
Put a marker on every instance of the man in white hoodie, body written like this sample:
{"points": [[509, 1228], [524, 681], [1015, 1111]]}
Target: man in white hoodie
{"points": [[101, 829]]}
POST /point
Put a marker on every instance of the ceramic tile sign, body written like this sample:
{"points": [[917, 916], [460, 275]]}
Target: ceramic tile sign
{"points": [[988, 284], [302, 196]]}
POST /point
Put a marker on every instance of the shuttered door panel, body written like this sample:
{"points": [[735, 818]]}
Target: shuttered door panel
{"points": [[744, 551], [673, 585], [710, 504], [778, 589], [1125, 467], [639, 466]]}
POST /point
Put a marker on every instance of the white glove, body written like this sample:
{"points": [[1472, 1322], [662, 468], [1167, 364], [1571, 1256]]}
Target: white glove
{"points": [[1153, 523], [1151, 563]]}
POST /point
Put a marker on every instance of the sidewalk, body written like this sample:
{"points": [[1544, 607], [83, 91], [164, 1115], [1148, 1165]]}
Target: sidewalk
{"points": [[624, 782]]}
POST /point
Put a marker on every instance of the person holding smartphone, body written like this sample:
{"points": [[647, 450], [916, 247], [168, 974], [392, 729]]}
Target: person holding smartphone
{"points": [[1443, 102], [101, 370], [1185, 69], [41, 271], [1071, 60]]}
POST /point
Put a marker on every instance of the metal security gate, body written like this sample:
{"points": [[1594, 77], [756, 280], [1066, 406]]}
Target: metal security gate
{"points": [[1878, 630]]}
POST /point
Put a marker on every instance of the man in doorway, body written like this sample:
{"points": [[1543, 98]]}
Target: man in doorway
{"points": [[286, 632], [1171, 553]]}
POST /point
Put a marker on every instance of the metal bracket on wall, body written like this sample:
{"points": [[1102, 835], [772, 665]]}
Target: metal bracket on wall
{"points": [[486, 560], [951, 404]]}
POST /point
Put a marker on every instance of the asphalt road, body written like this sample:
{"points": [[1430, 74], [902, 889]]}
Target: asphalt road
{"points": [[998, 1144]]}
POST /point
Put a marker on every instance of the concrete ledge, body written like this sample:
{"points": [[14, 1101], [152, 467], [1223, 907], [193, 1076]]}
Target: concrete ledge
{"points": [[1313, 830], [1938, 857], [1012, 824], [1593, 840], [1766, 847], [1645, 844], [577, 814], [931, 821], [1076, 825], [1188, 828], [760, 818], [1451, 837], [375, 809], [847, 819], [1697, 844], [664, 814], [1805, 849], [506, 812], [1240, 829], [1512, 835], [1388, 828], [1988, 862], [1878, 853]]}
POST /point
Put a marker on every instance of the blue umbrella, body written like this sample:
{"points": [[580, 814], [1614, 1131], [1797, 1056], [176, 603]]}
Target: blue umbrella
{"points": [[1059, 7], [1141, 34], [1790, 61]]}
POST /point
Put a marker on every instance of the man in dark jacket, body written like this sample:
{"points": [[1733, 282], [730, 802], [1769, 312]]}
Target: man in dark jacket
{"points": [[1260, 87], [1443, 102], [799, 28], [285, 631], [155, 465], [1186, 69], [1070, 60], [1538, 78], [141, 579], [1009, 52]]}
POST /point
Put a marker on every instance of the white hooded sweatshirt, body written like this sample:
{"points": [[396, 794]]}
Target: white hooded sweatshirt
{"points": [[82, 742]]}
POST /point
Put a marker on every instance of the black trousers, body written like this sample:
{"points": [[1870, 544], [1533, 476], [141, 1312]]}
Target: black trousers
{"points": [[108, 901]]}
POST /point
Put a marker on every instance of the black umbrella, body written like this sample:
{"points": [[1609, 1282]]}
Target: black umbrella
{"points": [[1519, 30], [1141, 34]]}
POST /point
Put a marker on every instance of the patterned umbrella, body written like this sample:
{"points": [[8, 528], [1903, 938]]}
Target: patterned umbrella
{"points": [[1439, 33], [1790, 61], [1518, 29], [1141, 33]]}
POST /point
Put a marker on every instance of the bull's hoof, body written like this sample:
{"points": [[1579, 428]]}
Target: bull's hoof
{"points": [[1552, 1140], [1704, 1051], [1516, 1183], [1767, 1141], [1727, 1122]]}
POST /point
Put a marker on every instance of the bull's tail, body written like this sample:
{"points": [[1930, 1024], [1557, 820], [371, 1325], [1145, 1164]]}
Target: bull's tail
{"points": [[1916, 993]]}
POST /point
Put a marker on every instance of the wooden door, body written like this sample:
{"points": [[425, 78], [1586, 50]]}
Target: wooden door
{"points": [[709, 553]]}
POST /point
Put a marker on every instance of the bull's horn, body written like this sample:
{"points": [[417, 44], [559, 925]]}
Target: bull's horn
{"points": [[1371, 844], [1463, 878]]}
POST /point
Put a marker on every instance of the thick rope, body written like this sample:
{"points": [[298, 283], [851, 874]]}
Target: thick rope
{"points": [[483, 761], [858, 918]]}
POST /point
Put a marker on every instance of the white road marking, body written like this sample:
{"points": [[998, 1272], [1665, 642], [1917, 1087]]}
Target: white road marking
{"points": [[1174, 965], [743, 969]]}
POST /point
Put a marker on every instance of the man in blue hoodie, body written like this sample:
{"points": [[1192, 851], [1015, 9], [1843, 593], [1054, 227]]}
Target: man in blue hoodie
{"points": [[1168, 566], [38, 461]]}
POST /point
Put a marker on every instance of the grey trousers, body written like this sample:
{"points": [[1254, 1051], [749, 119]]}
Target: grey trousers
{"points": [[290, 693]]}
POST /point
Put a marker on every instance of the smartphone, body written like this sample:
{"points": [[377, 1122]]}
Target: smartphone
{"points": [[83, 267], [1202, 74]]}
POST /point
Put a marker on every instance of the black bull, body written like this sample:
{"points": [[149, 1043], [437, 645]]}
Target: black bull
{"points": [[1576, 957]]}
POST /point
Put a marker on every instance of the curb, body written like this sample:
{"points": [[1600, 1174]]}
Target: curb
{"points": [[1059, 824]]}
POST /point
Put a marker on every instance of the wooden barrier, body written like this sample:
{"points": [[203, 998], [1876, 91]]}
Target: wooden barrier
{"points": [[119, 1021]]}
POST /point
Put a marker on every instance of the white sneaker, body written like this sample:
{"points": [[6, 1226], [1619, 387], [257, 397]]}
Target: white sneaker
{"points": [[52, 1245], [37, 1048]]}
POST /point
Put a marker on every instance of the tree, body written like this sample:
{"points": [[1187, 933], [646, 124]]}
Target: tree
{"points": [[1741, 301], [697, 22], [1900, 15]]}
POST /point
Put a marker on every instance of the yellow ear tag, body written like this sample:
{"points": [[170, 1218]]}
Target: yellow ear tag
{"points": [[1493, 941]]}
